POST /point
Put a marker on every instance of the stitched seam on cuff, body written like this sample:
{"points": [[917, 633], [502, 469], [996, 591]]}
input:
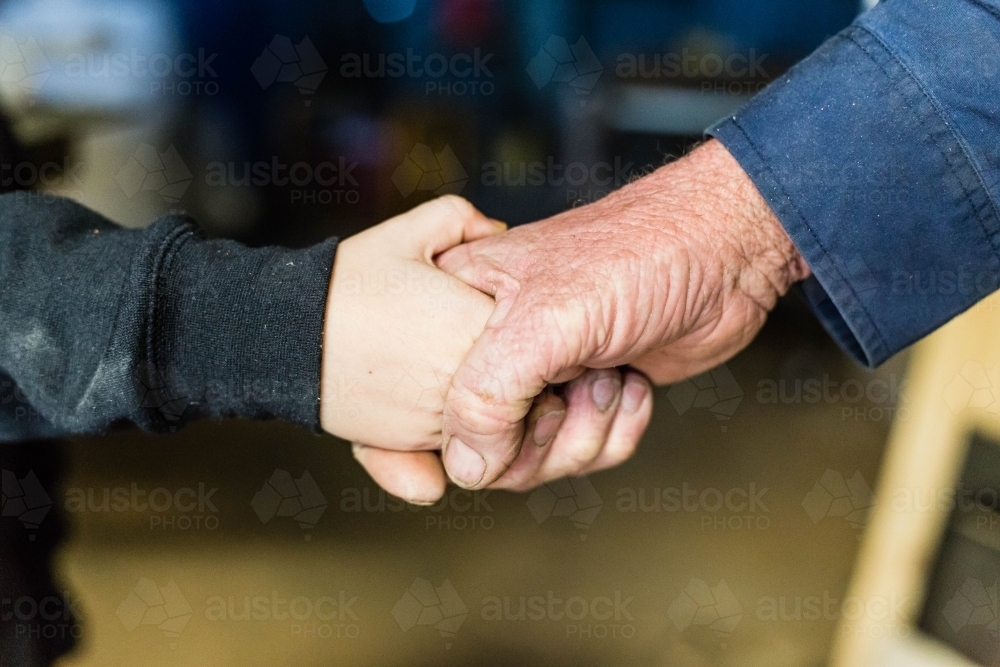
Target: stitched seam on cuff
{"points": [[805, 223], [956, 164], [986, 7], [167, 250]]}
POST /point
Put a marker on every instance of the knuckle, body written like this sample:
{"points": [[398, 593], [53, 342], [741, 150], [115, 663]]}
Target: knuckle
{"points": [[462, 206], [575, 459], [473, 410], [621, 450], [509, 456], [514, 481]]}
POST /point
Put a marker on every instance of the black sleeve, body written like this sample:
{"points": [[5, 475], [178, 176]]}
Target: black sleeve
{"points": [[101, 325]]}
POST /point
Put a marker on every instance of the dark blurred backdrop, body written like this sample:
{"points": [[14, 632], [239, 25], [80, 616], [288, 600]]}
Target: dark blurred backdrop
{"points": [[290, 122]]}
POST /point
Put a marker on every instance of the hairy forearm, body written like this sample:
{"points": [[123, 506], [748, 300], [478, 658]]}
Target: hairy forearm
{"points": [[708, 200]]}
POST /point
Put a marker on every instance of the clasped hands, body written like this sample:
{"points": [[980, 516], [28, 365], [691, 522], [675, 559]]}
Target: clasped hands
{"points": [[508, 359]]}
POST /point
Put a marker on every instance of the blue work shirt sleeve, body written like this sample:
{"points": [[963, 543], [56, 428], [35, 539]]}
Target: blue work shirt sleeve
{"points": [[880, 154]]}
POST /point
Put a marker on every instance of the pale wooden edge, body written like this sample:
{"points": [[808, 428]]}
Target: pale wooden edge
{"points": [[926, 451]]}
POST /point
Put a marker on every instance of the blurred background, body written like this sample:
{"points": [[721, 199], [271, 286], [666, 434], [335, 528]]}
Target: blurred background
{"points": [[728, 540]]}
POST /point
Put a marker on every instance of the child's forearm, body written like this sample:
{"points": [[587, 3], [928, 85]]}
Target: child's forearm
{"points": [[100, 324]]}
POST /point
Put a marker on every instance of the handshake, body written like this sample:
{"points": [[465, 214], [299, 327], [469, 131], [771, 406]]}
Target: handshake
{"points": [[507, 359]]}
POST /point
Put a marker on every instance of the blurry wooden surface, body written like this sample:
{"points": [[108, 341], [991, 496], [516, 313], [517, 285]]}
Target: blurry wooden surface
{"points": [[953, 390]]}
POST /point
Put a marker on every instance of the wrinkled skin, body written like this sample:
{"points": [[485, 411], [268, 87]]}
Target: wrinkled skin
{"points": [[397, 327], [672, 274]]}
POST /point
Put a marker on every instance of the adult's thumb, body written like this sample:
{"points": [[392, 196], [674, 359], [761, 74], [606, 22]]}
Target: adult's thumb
{"points": [[489, 397]]}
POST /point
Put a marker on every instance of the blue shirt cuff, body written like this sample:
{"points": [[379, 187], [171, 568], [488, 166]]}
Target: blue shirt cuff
{"points": [[883, 192]]}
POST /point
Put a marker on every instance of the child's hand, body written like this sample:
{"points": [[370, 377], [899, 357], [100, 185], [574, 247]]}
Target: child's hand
{"points": [[397, 327]]}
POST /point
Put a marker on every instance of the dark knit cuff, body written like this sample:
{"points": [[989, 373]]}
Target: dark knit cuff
{"points": [[238, 331]]}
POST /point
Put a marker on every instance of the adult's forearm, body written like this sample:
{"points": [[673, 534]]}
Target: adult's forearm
{"points": [[879, 156], [710, 200]]}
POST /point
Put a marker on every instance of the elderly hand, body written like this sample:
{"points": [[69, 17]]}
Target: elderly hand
{"points": [[673, 274]]}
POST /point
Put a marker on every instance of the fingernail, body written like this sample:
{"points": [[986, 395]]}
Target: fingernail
{"points": [[547, 427], [357, 448], [414, 494], [604, 392], [633, 396], [502, 226], [465, 466]]}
